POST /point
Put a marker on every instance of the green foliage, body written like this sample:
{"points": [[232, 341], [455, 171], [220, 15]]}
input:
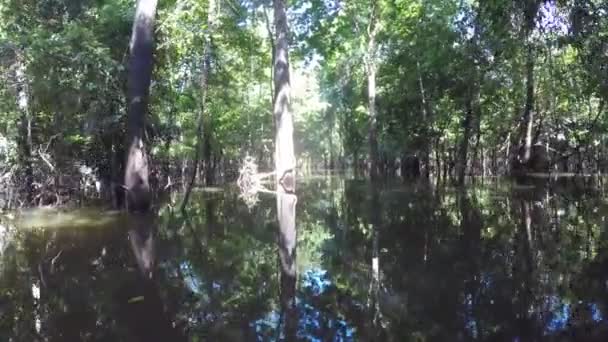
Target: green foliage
{"points": [[433, 57]]}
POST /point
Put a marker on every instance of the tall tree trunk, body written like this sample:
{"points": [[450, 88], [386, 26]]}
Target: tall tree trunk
{"points": [[477, 113], [208, 155], [285, 168], [140, 74], [464, 143], [273, 52], [25, 139], [331, 120], [426, 121], [285, 161], [200, 129], [528, 119], [371, 68]]}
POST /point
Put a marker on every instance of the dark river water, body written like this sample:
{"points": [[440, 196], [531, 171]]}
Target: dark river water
{"points": [[391, 262]]}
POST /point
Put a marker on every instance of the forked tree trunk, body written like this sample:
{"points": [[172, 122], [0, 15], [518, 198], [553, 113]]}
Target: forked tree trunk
{"points": [[285, 161], [140, 73]]}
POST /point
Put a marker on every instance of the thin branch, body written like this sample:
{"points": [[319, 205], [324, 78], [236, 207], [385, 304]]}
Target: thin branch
{"points": [[41, 154]]}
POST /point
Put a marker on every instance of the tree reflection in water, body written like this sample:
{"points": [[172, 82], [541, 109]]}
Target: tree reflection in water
{"points": [[490, 262], [141, 307], [287, 240]]}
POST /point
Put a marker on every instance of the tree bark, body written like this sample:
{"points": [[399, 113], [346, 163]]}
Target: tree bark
{"points": [[285, 161], [140, 74]]}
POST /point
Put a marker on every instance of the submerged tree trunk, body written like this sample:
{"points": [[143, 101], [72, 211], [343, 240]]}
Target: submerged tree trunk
{"points": [[285, 161], [370, 69], [140, 73]]}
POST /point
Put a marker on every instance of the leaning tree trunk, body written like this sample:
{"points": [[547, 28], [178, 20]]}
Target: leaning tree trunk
{"points": [[285, 161], [140, 73]]}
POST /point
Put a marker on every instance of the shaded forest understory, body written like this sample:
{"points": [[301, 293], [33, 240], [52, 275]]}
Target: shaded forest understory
{"points": [[413, 88]]}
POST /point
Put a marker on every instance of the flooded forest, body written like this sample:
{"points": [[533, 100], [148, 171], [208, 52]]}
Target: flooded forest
{"points": [[303, 170]]}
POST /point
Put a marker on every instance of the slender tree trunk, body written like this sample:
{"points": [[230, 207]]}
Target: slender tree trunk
{"points": [[140, 74], [477, 117], [426, 116], [370, 70], [114, 174], [437, 159], [200, 129], [371, 102], [331, 118], [208, 156], [273, 52], [528, 119], [25, 138], [464, 143], [285, 161]]}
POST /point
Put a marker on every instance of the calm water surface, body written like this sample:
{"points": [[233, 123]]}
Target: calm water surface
{"points": [[392, 262]]}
